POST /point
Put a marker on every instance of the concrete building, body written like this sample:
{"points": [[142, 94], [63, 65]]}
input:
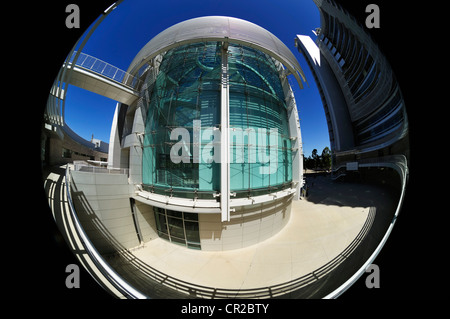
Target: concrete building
{"points": [[61, 145], [363, 103], [213, 144]]}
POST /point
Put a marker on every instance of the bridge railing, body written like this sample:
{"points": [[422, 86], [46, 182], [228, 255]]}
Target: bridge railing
{"points": [[105, 69]]}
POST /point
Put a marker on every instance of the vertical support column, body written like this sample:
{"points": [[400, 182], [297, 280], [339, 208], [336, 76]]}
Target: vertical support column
{"points": [[224, 138], [114, 157], [295, 136]]}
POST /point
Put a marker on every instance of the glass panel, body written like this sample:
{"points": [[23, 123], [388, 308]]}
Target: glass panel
{"points": [[191, 216], [192, 233], [187, 88], [158, 210], [179, 241], [173, 213], [194, 246], [175, 227], [161, 223], [163, 236], [257, 107]]}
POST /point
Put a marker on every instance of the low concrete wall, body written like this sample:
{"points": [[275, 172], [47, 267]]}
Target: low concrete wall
{"points": [[102, 203], [248, 225], [146, 220]]}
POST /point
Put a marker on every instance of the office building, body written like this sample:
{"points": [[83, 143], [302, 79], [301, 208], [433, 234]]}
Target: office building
{"points": [[363, 103]]}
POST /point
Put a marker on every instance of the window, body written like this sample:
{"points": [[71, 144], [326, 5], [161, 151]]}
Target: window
{"points": [[178, 227], [66, 153]]}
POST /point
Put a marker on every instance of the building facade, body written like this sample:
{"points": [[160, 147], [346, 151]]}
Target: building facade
{"points": [[213, 144], [61, 145], [363, 103]]}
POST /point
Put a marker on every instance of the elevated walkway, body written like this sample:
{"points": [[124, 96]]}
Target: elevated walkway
{"points": [[91, 74], [97, 76]]}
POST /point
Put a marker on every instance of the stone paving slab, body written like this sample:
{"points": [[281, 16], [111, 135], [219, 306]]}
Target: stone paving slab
{"points": [[316, 233]]}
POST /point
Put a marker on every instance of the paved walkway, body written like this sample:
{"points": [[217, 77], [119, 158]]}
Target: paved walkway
{"points": [[319, 230], [322, 233]]}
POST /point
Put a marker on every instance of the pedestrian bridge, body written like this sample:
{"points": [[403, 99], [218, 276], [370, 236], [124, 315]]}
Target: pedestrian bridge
{"points": [[94, 75], [97, 76]]}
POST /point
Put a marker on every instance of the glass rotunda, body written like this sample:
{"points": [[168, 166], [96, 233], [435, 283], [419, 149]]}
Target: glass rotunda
{"points": [[186, 94], [214, 137]]}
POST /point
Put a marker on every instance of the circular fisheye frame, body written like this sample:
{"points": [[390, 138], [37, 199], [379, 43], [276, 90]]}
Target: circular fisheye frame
{"points": [[188, 154]]}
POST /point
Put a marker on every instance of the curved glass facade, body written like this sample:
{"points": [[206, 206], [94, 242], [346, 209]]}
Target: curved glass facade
{"points": [[260, 148], [184, 114], [186, 89]]}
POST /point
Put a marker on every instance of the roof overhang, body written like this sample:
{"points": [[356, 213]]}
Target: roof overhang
{"points": [[219, 28]]}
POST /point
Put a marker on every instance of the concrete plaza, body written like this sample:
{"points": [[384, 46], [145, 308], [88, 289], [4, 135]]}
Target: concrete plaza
{"points": [[323, 231], [329, 236]]}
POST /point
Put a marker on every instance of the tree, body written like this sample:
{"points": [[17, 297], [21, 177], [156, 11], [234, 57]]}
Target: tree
{"points": [[309, 162], [316, 161], [315, 157], [326, 158]]}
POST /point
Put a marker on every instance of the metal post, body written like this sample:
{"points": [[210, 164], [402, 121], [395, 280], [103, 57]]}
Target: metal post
{"points": [[224, 138]]}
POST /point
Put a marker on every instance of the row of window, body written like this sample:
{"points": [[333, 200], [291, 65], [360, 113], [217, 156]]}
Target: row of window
{"points": [[67, 153], [387, 118], [178, 227], [357, 65], [362, 75]]}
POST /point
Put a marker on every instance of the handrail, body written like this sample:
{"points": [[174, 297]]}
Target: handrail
{"points": [[54, 111], [105, 69], [86, 168], [262, 292], [120, 284], [196, 290], [281, 289], [400, 164]]}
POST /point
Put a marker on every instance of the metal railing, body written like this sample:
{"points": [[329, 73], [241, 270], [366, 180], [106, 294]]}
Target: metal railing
{"points": [[105, 69], [54, 112], [121, 283], [400, 164], [278, 290], [397, 162], [200, 291], [104, 268], [84, 167]]}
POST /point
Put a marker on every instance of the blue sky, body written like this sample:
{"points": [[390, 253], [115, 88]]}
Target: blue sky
{"points": [[135, 22]]}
